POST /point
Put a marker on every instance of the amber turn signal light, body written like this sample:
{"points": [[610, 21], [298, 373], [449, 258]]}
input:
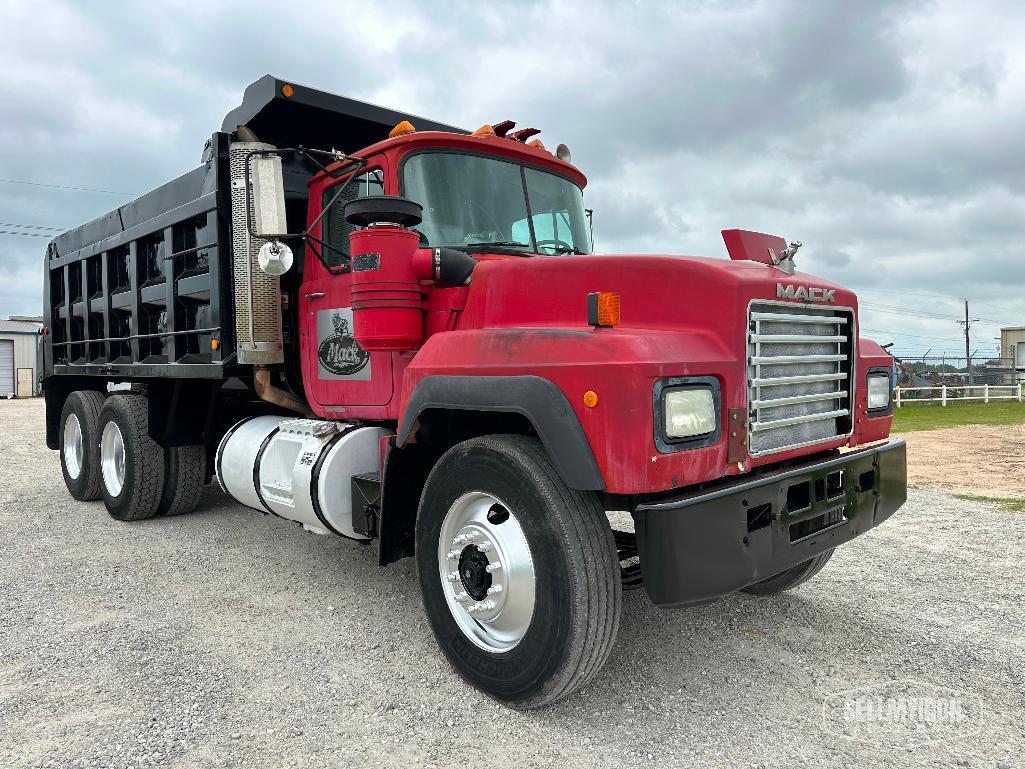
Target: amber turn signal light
{"points": [[603, 309], [590, 399], [287, 90]]}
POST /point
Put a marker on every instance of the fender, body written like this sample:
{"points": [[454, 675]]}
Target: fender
{"points": [[536, 398]]}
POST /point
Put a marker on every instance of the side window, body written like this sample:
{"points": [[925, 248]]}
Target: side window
{"points": [[336, 229]]}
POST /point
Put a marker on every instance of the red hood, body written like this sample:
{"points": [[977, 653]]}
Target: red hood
{"points": [[656, 291]]}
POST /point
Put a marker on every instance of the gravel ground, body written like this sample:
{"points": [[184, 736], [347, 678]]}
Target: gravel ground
{"points": [[229, 639]]}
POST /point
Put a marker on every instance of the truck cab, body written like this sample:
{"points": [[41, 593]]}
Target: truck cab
{"points": [[414, 345]]}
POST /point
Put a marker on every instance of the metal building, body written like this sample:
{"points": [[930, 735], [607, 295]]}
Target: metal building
{"points": [[20, 356], [1012, 348]]}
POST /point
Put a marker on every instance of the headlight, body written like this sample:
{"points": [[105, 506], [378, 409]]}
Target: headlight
{"points": [[878, 390], [689, 412]]}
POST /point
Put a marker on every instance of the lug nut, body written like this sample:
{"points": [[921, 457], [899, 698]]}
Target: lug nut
{"points": [[494, 589], [453, 576], [485, 547], [462, 597], [480, 606], [453, 554], [491, 568]]}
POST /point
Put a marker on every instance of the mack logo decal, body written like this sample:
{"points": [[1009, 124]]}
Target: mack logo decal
{"points": [[338, 353], [791, 291]]}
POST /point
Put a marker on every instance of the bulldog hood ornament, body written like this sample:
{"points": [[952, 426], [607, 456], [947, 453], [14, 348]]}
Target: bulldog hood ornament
{"points": [[784, 260]]}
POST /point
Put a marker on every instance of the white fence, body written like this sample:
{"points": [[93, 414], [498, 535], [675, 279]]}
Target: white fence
{"points": [[984, 393]]}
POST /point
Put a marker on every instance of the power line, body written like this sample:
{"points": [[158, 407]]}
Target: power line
{"points": [[68, 187], [30, 234], [959, 299], [861, 290], [918, 314], [904, 333], [904, 311], [873, 290], [33, 226]]}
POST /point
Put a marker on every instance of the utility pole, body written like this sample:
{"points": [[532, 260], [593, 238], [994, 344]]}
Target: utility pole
{"points": [[967, 323]]}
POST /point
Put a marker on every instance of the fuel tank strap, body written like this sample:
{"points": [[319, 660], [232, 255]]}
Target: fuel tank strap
{"points": [[315, 479], [223, 443], [256, 470]]}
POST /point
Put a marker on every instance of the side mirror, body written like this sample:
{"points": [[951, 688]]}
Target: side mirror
{"points": [[268, 196]]}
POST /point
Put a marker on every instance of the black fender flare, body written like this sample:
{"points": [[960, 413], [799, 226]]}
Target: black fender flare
{"points": [[536, 398]]}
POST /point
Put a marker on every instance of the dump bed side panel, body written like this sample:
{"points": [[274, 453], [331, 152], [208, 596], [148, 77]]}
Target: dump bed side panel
{"points": [[145, 290]]}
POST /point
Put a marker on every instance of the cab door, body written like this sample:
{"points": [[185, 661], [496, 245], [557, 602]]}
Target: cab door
{"points": [[337, 372]]}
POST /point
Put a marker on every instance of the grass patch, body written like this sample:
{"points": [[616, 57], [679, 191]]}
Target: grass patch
{"points": [[1014, 505], [921, 416]]}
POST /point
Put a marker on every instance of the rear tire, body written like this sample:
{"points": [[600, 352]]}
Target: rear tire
{"points": [[131, 463], [184, 472], [80, 444], [550, 626], [792, 577]]}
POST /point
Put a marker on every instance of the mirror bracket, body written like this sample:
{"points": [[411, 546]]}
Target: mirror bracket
{"points": [[351, 169]]}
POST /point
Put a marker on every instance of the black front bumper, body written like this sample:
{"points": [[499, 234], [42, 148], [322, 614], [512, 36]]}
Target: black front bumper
{"points": [[711, 543]]}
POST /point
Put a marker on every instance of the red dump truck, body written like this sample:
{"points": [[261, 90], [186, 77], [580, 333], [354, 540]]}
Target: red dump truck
{"points": [[413, 346]]}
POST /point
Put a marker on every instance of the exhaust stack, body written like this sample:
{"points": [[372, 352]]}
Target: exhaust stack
{"points": [[257, 295]]}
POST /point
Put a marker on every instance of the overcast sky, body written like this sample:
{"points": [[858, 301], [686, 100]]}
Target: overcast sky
{"points": [[888, 137]]}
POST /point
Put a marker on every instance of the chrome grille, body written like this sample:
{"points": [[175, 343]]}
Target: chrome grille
{"points": [[799, 376]]}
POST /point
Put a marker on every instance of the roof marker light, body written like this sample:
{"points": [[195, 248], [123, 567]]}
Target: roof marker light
{"points": [[287, 90], [484, 130], [403, 128], [536, 144]]}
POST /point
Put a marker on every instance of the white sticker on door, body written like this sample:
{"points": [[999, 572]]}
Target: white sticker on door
{"points": [[338, 354]]}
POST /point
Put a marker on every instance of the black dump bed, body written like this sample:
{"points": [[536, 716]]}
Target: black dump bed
{"points": [[146, 290]]}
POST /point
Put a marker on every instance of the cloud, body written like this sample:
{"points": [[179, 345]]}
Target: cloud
{"points": [[885, 136]]}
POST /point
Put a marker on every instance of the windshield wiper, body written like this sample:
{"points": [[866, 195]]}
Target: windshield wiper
{"points": [[566, 250], [498, 243]]}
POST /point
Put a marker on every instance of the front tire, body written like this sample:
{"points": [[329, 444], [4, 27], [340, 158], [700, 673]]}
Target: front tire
{"points": [[131, 463], [519, 573], [79, 444], [792, 577]]}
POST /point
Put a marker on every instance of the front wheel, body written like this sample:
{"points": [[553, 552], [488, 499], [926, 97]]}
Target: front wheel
{"points": [[519, 573], [792, 577]]}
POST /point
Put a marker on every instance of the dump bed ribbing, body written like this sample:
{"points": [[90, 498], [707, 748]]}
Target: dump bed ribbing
{"points": [[145, 290]]}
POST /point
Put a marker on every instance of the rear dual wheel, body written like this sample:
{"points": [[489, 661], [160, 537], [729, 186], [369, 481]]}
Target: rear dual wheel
{"points": [[106, 452], [79, 444], [519, 573], [131, 463], [141, 479]]}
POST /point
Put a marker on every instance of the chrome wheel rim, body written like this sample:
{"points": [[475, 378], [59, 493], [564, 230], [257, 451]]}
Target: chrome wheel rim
{"points": [[73, 450], [486, 571], [112, 459]]}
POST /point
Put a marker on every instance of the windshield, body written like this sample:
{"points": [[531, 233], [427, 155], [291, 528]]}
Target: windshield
{"points": [[474, 201]]}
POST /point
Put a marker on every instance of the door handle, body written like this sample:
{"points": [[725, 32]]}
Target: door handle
{"points": [[315, 295]]}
